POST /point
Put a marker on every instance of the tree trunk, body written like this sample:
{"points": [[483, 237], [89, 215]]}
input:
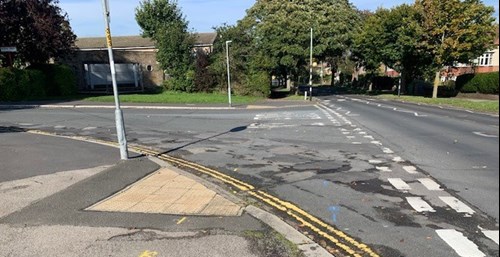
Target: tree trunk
{"points": [[436, 84]]}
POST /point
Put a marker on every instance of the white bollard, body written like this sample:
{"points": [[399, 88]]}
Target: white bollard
{"points": [[305, 95]]}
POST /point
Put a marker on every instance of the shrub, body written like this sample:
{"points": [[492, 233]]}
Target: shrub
{"points": [[486, 83], [462, 84], [258, 84], [383, 83], [60, 79], [16, 84]]}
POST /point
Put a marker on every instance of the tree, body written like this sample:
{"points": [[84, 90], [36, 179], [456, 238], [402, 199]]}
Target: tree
{"points": [[163, 22], [282, 29], [37, 28], [454, 31], [390, 37]]}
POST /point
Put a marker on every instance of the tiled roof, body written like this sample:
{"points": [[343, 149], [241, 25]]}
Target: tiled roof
{"points": [[136, 41], [120, 42]]}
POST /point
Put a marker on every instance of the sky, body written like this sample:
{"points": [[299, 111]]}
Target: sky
{"points": [[87, 20]]}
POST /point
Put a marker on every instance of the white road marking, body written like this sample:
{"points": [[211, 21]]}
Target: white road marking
{"points": [[362, 133], [461, 244], [493, 235], [89, 128], [369, 137], [419, 205], [457, 205], [384, 169], [469, 111], [399, 184], [318, 124], [398, 159], [419, 115], [484, 135], [430, 184], [410, 169], [375, 161], [351, 137], [357, 143], [387, 150], [376, 143], [59, 127], [25, 124]]}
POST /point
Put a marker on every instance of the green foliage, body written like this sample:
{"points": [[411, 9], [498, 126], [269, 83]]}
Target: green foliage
{"points": [[163, 22], [383, 83], [17, 84], [454, 30], [258, 84], [485, 83], [462, 84], [38, 29], [204, 80], [60, 79]]}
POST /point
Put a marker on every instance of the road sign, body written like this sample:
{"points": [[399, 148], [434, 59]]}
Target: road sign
{"points": [[8, 49]]}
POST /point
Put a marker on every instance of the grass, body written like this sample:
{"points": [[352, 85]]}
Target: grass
{"points": [[489, 106], [271, 243], [173, 97]]}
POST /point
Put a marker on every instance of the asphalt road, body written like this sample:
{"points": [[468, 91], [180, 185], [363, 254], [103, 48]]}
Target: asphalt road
{"points": [[459, 148], [343, 161]]}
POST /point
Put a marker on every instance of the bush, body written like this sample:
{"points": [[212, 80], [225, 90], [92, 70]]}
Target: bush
{"points": [[16, 84], [420, 88], [462, 84], [485, 83], [60, 79], [383, 83], [258, 84]]}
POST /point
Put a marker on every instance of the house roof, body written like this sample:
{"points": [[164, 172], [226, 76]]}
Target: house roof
{"points": [[136, 41]]}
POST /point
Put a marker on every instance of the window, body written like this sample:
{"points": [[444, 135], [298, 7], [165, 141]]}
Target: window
{"points": [[485, 59]]}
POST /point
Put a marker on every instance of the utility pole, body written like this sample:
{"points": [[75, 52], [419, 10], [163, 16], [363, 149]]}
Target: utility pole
{"points": [[120, 128], [311, 67], [228, 74]]}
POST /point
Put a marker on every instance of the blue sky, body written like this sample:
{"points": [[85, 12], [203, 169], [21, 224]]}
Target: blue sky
{"points": [[87, 20]]}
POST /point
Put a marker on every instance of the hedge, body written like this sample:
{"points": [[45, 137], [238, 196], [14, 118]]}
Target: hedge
{"points": [[16, 84], [485, 83], [36, 82]]}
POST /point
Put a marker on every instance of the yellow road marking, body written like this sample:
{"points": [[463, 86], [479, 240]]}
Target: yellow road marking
{"points": [[148, 253], [287, 207], [181, 220]]}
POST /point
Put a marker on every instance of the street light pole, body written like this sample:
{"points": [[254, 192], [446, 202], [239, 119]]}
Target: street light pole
{"points": [[228, 74], [311, 66], [120, 128]]}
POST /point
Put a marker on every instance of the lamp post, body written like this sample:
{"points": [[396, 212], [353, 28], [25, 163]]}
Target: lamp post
{"points": [[228, 73], [120, 128], [311, 67]]}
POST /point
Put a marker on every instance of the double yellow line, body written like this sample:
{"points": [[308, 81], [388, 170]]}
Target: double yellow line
{"points": [[342, 241], [346, 243]]}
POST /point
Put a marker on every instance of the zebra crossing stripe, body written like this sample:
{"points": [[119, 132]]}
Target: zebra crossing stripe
{"points": [[457, 205], [410, 169], [399, 184], [430, 184], [419, 205], [493, 235], [461, 244]]}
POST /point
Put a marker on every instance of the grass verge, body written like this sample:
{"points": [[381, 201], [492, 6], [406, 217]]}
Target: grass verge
{"points": [[173, 97], [488, 106], [266, 243]]}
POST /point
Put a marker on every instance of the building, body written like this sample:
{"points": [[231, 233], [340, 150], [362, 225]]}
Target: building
{"points": [[135, 62]]}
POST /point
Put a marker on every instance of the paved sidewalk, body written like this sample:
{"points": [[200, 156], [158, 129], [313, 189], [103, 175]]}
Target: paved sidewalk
{"points": [[167, 192], [139, 207]]}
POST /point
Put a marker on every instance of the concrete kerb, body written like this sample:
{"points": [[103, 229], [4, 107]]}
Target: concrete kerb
{"points": [[305, 244]]}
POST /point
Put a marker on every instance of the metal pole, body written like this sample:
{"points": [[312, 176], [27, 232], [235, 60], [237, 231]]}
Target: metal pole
{"points": [[228, 74], [120, 128], [399, 88], [311, 66]]}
